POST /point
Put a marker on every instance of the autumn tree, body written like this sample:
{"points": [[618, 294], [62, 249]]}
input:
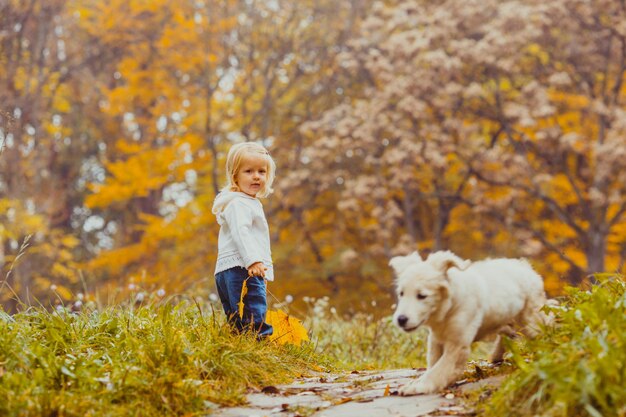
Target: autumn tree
{"points": [[490, 128], [557, 126], [253, 82], [494, 116], [158, 108], [40, 162], [287, 74], [161, 92]]}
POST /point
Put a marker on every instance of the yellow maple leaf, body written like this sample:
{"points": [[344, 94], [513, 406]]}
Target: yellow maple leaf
{"points": [[287, 329], [244, 291]]}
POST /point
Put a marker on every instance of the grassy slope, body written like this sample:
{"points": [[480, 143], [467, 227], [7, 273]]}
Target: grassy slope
{"points": [[155, 360], [162, 359]]}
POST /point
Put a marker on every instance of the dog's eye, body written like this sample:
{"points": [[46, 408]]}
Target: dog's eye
{"points": [[421, 296], [401, 293]]}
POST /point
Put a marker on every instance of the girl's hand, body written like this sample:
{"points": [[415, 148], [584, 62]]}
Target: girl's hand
{"points": [[257, 269]]}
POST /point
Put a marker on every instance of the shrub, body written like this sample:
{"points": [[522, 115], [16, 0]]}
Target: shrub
{"points": [[578, 366]]}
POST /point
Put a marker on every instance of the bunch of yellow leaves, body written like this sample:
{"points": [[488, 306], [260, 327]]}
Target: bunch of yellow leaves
{"points": [[287, 329]]}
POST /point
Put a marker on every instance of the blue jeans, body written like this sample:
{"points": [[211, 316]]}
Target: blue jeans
{"points": [[229, 285]]}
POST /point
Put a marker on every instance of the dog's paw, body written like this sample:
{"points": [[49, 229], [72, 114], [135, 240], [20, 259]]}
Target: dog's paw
{"points": [[417, 387]]}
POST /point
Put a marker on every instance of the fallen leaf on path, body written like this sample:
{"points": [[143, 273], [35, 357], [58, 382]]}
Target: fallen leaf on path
{"points": [[364, 400], [270, 389], [342, 400]]}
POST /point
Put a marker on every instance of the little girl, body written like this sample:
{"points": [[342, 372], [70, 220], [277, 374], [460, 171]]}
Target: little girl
{"points": [[244, 242]]}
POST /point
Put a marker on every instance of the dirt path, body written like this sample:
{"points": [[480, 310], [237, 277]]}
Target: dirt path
{"points": [[357, 394]]}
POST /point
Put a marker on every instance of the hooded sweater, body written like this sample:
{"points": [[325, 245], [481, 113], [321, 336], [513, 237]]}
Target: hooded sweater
{"points": [[244, 237]]}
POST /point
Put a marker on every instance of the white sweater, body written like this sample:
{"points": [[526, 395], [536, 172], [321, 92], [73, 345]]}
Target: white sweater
{"points": [[244, 234]]}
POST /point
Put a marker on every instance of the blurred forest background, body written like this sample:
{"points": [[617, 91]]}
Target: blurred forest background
{"points": [[491, 128]]}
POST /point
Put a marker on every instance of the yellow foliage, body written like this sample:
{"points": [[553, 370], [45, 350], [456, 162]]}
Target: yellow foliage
{"points": [[577, 256], [115, 260], [61, 271], [537, 51], [21, 222], [505, 85], [561, 189], [70, 241], [557, 231], [287, 329], [575, 102], [64, 292], [59, 291], [61, 102], [194, 140], [21, 77], [136, 176], [42, 282], [553, 276], [128, 148]]}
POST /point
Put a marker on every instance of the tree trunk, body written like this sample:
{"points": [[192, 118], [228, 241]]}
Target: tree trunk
{"points": [[596, 252], [442, 218], [409, 207]]}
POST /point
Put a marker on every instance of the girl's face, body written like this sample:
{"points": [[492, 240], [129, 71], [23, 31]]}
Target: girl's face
{"points": [[252, 174]]}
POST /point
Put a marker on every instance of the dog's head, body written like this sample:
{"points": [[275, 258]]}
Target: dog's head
{"points": [[422, 286]]}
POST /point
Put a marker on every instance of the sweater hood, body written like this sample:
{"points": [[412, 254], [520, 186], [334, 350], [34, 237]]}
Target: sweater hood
{"points": [[222, 200]]}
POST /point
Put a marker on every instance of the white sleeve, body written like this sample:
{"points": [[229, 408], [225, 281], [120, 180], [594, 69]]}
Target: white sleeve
{"points": [[239, 220]]}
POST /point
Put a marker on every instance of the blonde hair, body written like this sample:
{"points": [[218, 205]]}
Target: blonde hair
{"points": [[236, 154]]}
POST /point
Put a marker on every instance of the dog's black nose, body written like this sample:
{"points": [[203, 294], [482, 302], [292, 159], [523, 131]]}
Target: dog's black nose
{"points": [[402, 320]]}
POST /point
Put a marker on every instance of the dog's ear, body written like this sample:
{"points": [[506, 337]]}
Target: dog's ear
{"points": [[444, 260], [400, 263], [444, 288], [415, 256]]}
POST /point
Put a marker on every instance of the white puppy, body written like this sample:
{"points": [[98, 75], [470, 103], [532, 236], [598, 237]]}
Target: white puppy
{"points": [[462, 302]]}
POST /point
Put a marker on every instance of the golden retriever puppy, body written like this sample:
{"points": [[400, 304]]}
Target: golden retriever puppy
{"points": [[461, 302]]}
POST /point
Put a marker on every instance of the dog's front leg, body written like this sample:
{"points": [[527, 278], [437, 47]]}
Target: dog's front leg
{"points": [[435, 350], [442, 374]]}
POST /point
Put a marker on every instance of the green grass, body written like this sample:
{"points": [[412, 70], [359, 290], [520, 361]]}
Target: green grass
{"points": [[166, 358], [577, 367], [150, 361], [362, 342]]}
